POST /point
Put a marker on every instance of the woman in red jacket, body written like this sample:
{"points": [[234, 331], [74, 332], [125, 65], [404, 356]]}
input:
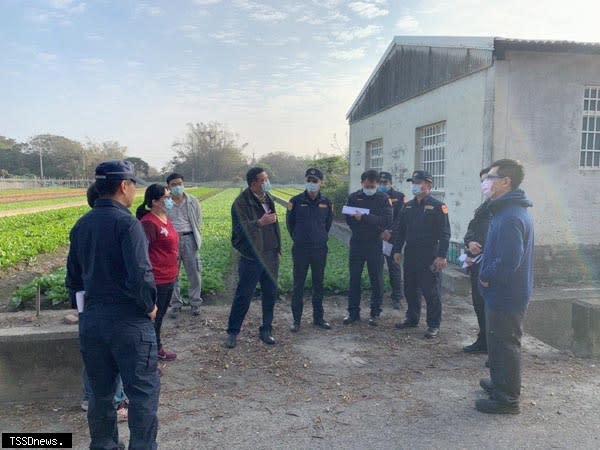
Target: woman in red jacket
{"points": [[163, 251]]}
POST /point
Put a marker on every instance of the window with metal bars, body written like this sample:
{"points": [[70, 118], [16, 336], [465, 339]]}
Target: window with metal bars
{"points": [[431, 152], [589, 157], [375, 154]]}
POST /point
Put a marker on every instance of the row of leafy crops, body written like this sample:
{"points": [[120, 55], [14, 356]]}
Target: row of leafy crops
{"points": [[215, 252], [23, 237], [285, 193]]}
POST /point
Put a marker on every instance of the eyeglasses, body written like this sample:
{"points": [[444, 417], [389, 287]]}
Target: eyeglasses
{"points": [[494, 177]]}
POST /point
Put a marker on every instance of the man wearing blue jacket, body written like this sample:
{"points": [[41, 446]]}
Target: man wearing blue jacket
{"points": [[506, 282]]}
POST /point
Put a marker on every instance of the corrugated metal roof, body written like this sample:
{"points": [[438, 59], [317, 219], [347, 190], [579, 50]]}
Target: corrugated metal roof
{"points": [[501, 45], [498, 45]]}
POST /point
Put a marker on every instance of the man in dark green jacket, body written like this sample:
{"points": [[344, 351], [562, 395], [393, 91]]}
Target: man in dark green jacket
{"points": [[256, 236]]}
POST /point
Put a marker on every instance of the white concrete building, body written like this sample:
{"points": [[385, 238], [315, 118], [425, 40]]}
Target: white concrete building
{"points": [[452, 105]]}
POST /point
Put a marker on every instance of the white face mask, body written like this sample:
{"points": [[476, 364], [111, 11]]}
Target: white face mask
{"points": [[416, 189], [369, 192], [312, 187], [486, 188]]}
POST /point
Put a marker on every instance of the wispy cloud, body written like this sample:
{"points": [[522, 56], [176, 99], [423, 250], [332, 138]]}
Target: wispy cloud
{"points": [[357, 33], [348, 55], [146, 9], [229, 37], [407, 24], [261, 12], [60, 11], [368, 10]]}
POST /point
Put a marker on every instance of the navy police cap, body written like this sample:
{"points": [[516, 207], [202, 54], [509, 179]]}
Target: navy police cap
{"points": [[421, 175], [385, 176], [312, 172], [117, 170]]}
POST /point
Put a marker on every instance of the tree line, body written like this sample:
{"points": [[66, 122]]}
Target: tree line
{"points": [[206, 152]]}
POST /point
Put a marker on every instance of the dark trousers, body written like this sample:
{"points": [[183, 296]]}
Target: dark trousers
{"points": [[478, 302], [316, 258], [369, 252], [163, 298], [504, 332], [395, 272], [251, 272], [423, 280], [113, 343]]}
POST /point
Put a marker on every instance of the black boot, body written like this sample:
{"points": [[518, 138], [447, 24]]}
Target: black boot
{"points": [[478, 346], [265, 335]]}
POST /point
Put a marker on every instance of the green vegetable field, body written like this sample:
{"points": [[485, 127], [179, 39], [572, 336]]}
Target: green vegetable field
{"points": [[26, 236]]}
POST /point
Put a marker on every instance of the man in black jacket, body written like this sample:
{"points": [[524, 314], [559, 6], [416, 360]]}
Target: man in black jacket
{"points": [[423, 234], [365, 244], [108, 259], [255, 235], [309, 217], [474, 240]]}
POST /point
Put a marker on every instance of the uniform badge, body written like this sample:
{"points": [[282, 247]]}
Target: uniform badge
{"points": [[322, 205], [444, 208], [429, 207], [290, 206]]}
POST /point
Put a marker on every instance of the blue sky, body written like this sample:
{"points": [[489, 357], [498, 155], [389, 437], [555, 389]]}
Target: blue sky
{"points": [[281, 74]]}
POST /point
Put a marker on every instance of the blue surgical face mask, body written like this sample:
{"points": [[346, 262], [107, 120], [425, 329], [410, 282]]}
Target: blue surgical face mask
{"points": [[177, 190], [416, 189], [266, 186], [312, 187], [168, 202], [369, 192], [383, 188]]}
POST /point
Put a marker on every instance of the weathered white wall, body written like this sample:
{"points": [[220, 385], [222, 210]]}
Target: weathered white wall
{"points": [[538, 120], [462, 104]]}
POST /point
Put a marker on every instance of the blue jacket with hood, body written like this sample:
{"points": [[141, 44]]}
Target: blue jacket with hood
{"points": [[507, 263]]}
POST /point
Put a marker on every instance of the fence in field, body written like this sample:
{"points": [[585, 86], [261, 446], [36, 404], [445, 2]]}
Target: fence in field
{"points": [[35, 183]]}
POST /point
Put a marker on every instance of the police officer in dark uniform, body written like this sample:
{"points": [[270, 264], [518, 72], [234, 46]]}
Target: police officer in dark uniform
{"points": [[394, 270], [424, 231], [108, 259], [309, 216], [365, 244]]}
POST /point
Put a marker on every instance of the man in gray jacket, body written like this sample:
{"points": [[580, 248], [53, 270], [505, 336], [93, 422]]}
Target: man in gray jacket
{"points": [[186, 216]]}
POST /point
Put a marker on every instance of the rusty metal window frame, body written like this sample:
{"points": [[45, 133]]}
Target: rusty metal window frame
{"points": [[431, 152], [374, 154], [589, 154]]}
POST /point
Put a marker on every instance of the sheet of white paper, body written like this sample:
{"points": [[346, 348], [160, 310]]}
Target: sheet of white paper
{"points": [[462, 258], [80, 300], [351, 210], [386, 248]]}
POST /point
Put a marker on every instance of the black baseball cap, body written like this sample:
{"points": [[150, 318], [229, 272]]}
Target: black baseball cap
{"points": [[420, 175], [312, 172], [117, 170]]}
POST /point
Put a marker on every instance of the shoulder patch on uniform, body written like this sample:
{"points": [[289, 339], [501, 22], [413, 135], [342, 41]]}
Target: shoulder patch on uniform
{"points": [[444, 208], [290, 206], [429, 207]]}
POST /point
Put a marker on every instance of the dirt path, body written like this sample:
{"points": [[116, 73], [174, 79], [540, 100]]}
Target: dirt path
{"points": [[353, 387]]}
